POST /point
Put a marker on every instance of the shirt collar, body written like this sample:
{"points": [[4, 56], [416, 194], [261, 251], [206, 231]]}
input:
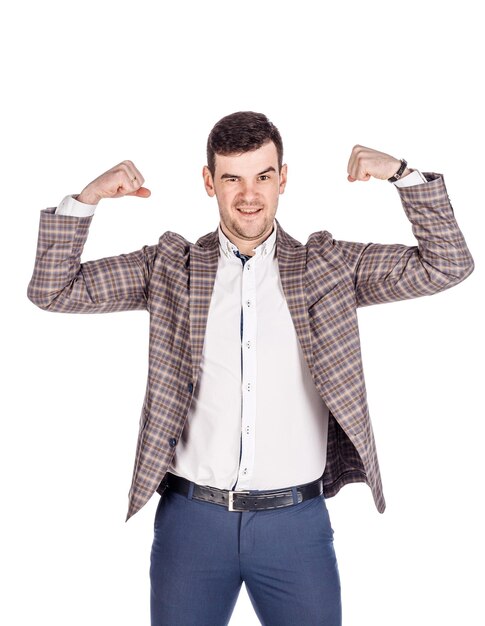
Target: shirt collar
{"points": [[265, 250]]}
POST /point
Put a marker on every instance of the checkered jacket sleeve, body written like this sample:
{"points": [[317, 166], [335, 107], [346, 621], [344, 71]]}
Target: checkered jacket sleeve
{"points": [[389, 272], [61, 283]]}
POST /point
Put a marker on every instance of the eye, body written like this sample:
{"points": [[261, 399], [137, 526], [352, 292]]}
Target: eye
{"points": [[264, 177]]}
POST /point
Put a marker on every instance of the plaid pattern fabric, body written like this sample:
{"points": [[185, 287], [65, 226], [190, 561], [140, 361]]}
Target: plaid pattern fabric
{"points": [[324, 282]]}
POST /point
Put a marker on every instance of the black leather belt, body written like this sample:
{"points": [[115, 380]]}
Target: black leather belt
{"points": [[242, 500]]}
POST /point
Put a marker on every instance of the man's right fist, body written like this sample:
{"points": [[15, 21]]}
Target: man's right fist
{"points": [[121, 180]]}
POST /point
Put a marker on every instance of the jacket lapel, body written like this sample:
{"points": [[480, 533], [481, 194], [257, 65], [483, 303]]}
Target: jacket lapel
{"points": [[204, 256], [291, 255]]}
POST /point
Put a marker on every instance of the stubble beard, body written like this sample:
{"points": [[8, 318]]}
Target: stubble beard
{"points": [[247, 232]]}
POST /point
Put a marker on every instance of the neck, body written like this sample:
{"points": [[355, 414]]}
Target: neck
{"points": [[244, 246]]}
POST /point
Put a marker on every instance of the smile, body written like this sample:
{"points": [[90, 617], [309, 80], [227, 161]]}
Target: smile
{"points": [[249, 211]]}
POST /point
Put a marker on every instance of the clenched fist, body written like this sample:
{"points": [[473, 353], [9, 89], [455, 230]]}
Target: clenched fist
{"points": [[121, 180], [365, 163]]}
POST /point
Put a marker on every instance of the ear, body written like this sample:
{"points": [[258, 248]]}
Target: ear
{"points": [[208, 181], [283, 177]]}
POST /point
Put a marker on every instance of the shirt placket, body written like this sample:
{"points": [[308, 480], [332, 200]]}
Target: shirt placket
{"points": [[248, 374]]}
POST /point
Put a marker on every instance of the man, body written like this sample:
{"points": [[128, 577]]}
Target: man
{"points": [[255, 410]]}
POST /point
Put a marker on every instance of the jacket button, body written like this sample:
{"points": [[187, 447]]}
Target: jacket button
{"points": [[172, 442], [190, 387]]}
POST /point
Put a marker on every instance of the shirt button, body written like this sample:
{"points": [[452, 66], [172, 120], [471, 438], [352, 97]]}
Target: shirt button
{"points": [[172, 442], [248, 302], [190, 387]]}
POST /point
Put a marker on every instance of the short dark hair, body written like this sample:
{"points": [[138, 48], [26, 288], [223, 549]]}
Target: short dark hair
{"points": [[241, 132]]}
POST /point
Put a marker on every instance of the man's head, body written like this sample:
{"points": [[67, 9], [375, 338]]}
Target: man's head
{"points": [[246, 174], [241, 132]]}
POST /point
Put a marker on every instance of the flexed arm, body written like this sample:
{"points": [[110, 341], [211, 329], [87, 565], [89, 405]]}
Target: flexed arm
{"points": [[390, 272], [61, 283]]}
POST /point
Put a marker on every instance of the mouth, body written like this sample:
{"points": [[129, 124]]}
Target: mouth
{"points": [[251, 211]]}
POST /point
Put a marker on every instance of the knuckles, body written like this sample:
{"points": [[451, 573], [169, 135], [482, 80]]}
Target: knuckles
{"points": [[119, 180]]}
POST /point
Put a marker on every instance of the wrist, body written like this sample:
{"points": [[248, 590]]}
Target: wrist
{"points": [[400, 172], [87, 197]]}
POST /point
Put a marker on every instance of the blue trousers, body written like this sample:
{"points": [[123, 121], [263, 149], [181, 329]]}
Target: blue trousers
{"points": [[202, 553]]}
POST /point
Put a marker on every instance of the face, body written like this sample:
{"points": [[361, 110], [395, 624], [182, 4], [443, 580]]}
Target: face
{"points": [[247, 187]]}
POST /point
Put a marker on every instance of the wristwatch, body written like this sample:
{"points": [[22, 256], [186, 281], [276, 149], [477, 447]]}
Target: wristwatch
{"points": [[399, 172]]}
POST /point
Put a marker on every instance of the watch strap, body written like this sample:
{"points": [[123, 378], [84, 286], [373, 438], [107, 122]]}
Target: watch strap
{"points": [[399, 172]]}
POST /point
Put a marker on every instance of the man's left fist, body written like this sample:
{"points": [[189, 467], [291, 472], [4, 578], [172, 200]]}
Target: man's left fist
{"points": [[365, 163]]}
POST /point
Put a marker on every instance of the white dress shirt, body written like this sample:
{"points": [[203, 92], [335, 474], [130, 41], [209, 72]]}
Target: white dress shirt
{"points": [[256, 420]]}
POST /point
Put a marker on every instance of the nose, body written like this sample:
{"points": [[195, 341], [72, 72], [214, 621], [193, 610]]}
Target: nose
{"points": [[248, 192]]}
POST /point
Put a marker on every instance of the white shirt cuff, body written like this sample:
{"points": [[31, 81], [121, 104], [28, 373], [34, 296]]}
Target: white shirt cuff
{"points": [[414, 178], [70, 206]]}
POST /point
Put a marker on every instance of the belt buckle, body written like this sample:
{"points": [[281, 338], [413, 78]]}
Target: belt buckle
{"points": [[230, 503]]}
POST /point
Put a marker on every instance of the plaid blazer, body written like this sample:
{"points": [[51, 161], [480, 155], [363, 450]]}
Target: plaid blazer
{"points": [[324, 281]]}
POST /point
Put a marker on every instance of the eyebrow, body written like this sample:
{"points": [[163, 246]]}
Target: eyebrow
{"points": [[268, 169]]}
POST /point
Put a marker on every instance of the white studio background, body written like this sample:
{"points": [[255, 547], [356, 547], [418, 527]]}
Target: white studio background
{"points": [[86, 85]]}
